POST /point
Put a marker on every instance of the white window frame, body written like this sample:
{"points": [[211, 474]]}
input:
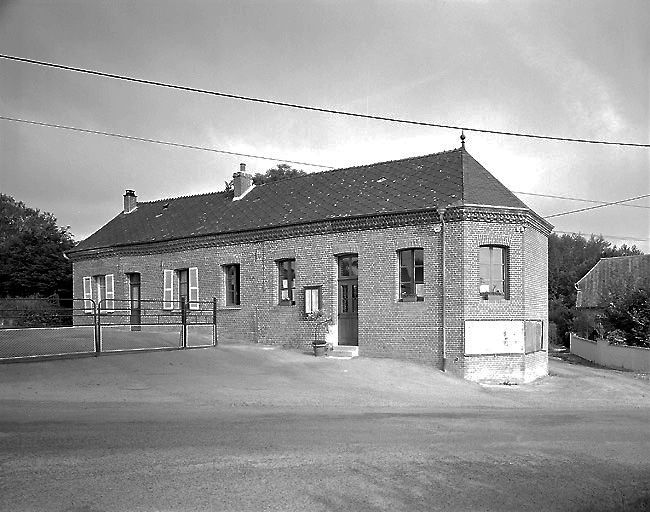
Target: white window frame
{"points": [[168, 289], [91, 283], [88, 294], [193, 287], [313, 298]]}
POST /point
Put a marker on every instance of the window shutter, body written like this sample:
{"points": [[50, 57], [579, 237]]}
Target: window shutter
{"points": [[533, 336], [88, 294], [194, 288], [109, 303], [168, 289]]}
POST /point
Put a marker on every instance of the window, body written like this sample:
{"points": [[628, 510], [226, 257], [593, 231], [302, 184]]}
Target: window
{"points": [[312, 299], [99, 285], [181, 286], [493, 262], [232, 284], [101, 289], [411, 275], [286, 282]]}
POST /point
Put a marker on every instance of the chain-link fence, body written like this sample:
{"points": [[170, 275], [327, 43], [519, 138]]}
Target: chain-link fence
{"points": [[46, 327], [37, 328]]}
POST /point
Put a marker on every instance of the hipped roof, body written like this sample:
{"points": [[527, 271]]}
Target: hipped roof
{"points": [[419, 183]]}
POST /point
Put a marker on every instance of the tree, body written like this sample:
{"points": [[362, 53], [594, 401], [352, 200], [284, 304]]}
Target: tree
{"points": [[280, 172], [570, 257], [32, 247], [627, 317]]}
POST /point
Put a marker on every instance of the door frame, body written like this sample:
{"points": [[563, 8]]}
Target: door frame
{"points": [[135, 313], [348, 324]]}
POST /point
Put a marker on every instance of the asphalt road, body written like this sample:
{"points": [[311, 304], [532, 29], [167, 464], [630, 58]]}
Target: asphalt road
{"points": [[245, 428]]}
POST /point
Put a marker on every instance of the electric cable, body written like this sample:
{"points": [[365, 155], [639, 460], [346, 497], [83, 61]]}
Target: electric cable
{"points": [[597, 206], [604, 236], [156, 141], [314, 108], [262, 157], [581, 199]]}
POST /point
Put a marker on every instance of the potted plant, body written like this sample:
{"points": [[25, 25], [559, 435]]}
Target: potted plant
{"points": [[319, 319]]}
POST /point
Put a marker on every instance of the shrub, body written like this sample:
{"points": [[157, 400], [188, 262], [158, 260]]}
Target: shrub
{"points": [[34, 311], [627, 318]]}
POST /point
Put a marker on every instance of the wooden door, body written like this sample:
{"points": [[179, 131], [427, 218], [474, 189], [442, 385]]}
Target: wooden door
{"points": [[134, 295], [348, 316]]}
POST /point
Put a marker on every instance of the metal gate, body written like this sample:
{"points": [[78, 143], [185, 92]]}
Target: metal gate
{"points": [[126, 326]]}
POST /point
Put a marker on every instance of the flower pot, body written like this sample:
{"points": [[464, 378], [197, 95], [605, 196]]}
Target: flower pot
{"points": [[320, 349]]}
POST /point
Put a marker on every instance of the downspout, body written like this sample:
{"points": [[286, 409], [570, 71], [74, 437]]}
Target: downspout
{"points": [[441, 213]]}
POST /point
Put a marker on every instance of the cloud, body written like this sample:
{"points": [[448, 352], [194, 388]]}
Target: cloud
{"points": [[582, 92]]}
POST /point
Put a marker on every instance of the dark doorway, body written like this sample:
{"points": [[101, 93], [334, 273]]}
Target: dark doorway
{"points": [[134, 299], [348, 317]]}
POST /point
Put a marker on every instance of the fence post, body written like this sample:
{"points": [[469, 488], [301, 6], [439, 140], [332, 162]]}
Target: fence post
{"points": [[98, 327], [184, 322], [214, 321]]}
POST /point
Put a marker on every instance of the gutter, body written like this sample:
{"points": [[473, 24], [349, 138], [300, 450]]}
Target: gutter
{"points": [[441, 212]]}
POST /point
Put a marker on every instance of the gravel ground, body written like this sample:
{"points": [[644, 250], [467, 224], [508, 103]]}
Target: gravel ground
{"points": [[247, 427]]}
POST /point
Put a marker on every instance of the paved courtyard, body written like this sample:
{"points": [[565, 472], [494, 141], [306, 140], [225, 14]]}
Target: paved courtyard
{"points": [[241, 427]]}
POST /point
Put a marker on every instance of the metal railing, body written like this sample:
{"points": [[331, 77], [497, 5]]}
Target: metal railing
{"points": [[41, 328]]}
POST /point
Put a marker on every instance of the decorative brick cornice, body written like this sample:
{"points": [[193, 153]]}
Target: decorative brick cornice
{"points": [[261, 235], [495, 215], [452, 214]]}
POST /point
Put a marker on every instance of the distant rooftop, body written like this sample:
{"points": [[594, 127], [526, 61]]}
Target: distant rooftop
{"points": [[608, 275]]}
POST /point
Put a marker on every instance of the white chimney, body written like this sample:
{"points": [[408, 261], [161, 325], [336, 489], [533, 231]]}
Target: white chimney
{"points": [[242, 182], [130, 201]]}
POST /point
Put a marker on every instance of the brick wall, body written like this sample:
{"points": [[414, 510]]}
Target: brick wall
{"points": [[387, 327], [527, 251], [527, 300], [536, 296]]}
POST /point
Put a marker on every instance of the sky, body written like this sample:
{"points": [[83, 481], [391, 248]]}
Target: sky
{"points": [[577, 69]]}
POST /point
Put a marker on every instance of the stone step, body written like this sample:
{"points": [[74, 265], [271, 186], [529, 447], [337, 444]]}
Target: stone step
{"points": [[344, 351]]}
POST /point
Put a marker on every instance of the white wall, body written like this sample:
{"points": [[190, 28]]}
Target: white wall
{"points": [[613, 356]]}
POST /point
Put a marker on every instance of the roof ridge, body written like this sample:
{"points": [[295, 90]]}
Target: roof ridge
{"points": [[628, 256], [309, 174], [362, 165], [183, 197]]}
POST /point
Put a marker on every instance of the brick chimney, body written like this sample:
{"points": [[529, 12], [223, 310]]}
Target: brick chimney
{"points": [[242, 182], [130, 201]]}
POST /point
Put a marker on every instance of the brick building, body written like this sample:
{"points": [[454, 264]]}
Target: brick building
{"points": [[427, 258]]}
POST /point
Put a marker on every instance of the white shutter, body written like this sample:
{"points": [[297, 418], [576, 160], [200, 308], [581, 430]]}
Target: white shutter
{"points": [[109, 303], [168, 289], [194, 287], [88, 294]]}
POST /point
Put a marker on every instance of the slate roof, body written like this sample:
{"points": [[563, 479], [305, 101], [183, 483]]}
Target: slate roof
{"points": [[609, 274], [412, 184]]}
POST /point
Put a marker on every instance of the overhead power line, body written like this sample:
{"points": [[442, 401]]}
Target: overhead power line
{"points": [[581, 199], [156, 141], [605, 236], [263, 157], [597, 206], [313, 108]]}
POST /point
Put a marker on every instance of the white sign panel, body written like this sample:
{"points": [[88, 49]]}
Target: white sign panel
{"points": [[494, 336]]}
